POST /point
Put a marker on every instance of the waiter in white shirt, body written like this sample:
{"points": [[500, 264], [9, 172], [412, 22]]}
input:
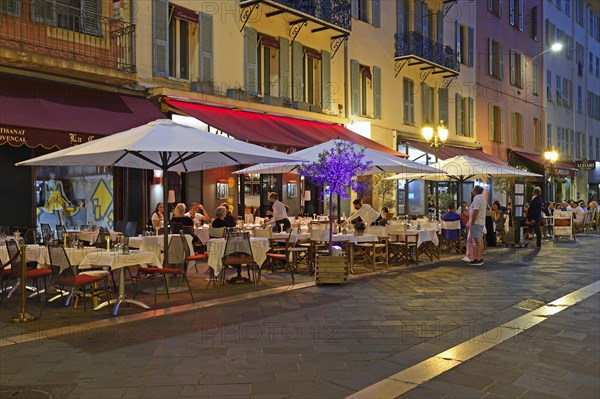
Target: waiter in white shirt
{"points": [[364, 211], [279, 214]]}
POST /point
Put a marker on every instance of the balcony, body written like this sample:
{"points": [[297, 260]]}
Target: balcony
{"points": [[54, 31], [334, 14], [413, 49]]}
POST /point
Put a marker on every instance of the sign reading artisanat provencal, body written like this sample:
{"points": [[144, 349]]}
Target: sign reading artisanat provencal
{"points": [[14, 136]]}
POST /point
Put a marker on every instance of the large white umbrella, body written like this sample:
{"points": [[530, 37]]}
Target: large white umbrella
{"points": [[380, 162], [162, 144], [462, 168]]}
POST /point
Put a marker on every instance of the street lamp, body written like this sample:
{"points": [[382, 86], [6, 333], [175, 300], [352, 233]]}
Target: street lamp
{"points": [[551, 155], [436, 139], [554, 47]]}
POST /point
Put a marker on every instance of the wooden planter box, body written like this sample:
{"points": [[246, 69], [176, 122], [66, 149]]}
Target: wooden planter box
{"points": [[331, 270]]}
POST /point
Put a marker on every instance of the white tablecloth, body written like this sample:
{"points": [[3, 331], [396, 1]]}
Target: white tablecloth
{"points": [[203, 233], [32, 253], [216, 249], [117, 260], [75, 255], [90, 236], [156, 243], [424, 236]]}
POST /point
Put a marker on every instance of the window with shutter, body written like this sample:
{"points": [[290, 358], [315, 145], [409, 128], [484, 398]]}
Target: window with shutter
{"points": [[284, 68], [408, 100], [160, 37], [459, 114], [205, 40], [535, 80], [326, 79], [521, 16], [511, 12], [355, 86], [376, 13], [471, 46], [471, 117], [443, 105], [377, 92], [11, 7], [297, 72], [251, 61]]}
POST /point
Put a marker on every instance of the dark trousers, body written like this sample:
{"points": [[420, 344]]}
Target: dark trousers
{"points": [[538, 232], [286, 225]]}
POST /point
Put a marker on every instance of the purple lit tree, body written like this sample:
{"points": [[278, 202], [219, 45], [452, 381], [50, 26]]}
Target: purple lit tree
{"points": [[338, 168]]}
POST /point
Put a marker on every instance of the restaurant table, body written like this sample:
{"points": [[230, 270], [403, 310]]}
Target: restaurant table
{"points": [[117, 260], [427, 241], [156, 243], [216, 249], [75, 255], [202, 233], [32, 254], [91, 236]]}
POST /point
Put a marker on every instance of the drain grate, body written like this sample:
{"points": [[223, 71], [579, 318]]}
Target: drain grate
{"points": [[529, 304]]}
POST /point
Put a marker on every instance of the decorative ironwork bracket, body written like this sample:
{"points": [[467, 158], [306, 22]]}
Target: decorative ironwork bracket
{"points": [[296, 27], [448, 80], [336, 43], [399, 65], [447, 4], [425, 73], [246, 13]]}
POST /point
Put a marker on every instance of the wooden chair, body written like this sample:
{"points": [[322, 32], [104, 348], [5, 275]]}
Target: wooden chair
{"points": [[280, 254], [404, 247], [446, 241], [238, 252], [376, 252]]}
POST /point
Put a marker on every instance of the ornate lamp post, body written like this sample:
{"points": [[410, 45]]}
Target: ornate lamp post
{"points": [[551, 155], [436, 139]]}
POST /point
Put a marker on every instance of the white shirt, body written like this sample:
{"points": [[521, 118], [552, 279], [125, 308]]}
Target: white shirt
{"points": [[156, 217], [366, 213], [579, 214], [279, 212], [197, 218], [478, 204]]}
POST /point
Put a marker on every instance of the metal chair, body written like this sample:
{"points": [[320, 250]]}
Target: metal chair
{"points": [[238, 252], [130, 229], [16, 268]]}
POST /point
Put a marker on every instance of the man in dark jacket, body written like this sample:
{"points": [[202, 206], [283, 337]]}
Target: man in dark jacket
{"points": [[534, 215]]}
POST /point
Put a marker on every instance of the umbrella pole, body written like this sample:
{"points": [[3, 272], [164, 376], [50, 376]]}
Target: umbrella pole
{"points": [[166, 213]]}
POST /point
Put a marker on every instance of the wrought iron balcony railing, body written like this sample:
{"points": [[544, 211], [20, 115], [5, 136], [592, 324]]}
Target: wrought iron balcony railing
{"points": [[52, 29], [414, 44], [335, 12]]}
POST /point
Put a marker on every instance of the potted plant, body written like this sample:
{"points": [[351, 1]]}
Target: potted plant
{"points": [[337, 168]]}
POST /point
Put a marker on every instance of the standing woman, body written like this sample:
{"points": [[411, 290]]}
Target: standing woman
{"points": [[158, 219]]}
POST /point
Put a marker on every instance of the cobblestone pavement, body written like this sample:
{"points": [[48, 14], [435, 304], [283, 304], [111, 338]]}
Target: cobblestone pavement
{"points": [[331, 341]]}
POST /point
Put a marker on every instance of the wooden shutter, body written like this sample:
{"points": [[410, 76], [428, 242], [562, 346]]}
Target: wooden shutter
{"points": [[511, 12], [521, 71], [471, 117], [160, 37], [297, 81], [521, 15], [354, 8], [501, 61], [500, 8], [400, 16], [491, 124], [440, 27], [513, 67], [376, 13], [91, 13], [418, 19], [205, 40], [326, 79], [513, 128], [425, 104], [284, 68], [376, 92], [490, 57], [355, 86], [490, 5], [521, 126], [500, 135], [251, 60], [471, 46], [458, 112], [443, 105]]}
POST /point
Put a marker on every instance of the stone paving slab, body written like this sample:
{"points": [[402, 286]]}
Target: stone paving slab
{"points": [[315, 342]]}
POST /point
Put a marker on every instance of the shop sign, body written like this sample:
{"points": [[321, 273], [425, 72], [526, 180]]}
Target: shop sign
{"points": [[17, 136], [585, 164], [13, 136]]}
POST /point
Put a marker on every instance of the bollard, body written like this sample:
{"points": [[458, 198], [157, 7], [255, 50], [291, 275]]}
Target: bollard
{"points": [[23, 316]]}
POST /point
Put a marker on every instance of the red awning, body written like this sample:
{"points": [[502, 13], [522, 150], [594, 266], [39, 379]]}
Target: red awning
{"points": [[449, 151], [542, 161], [38, 113], [277, 131]]}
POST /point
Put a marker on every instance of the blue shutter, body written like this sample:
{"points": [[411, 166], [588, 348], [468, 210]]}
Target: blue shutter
{"points": [[376, 13], [400, 16], [376, 92], [284, 68], [326, 79], [511, 12], [440, 27], [418, 22], [250, 58], [205, 40], [355, 86], [160, 37], [471, 46]]}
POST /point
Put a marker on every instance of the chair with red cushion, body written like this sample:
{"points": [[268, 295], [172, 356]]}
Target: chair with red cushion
{"points": [[16, 267], [177, 261], [65, 275], [279, 254]]}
